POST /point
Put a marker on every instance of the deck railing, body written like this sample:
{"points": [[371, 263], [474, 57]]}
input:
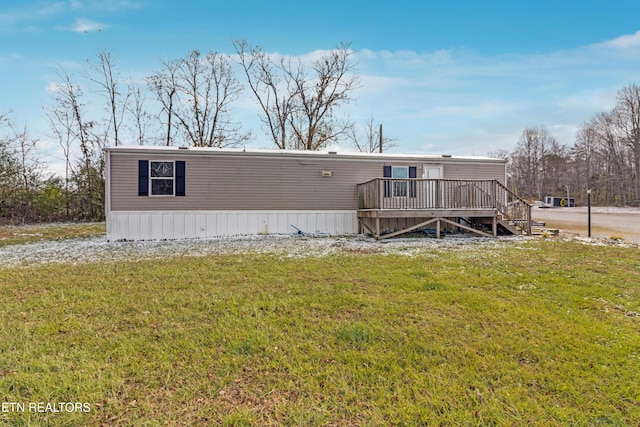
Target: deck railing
{"points": [[514, 208], [450, 194]]}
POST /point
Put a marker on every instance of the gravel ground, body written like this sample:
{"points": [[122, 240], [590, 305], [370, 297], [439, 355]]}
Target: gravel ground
{"points": [[98, 249], [572, 222], [605, 222]]}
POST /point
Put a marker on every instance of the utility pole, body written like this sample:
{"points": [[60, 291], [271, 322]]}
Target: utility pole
{"points": [[380, 135]]}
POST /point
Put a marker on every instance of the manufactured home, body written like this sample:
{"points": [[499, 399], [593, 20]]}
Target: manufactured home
{"points": [[185, 192]]}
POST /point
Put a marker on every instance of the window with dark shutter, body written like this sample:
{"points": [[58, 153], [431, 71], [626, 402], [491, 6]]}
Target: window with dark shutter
{"points": [[143, 177], [180, 178], [161, 178]]}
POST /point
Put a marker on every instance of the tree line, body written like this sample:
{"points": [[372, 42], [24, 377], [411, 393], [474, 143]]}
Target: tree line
{"points": [[604, 157], [190, 101], [187, 101]]}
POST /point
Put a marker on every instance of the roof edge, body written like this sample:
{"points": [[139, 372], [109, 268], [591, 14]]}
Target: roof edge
{"points": [[326, 154]]}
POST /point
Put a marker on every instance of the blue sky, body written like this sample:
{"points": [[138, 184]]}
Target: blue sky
{"points": [[459, 77]]}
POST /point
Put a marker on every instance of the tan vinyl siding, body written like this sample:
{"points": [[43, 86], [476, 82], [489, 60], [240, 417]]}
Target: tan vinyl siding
{"points": [[252, 182], [478, 170]]}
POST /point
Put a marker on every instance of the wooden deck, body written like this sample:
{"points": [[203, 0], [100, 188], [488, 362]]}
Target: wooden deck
{"points": [[388, 207]]}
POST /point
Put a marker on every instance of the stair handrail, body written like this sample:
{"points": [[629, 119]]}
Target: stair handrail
{"points": [[514, 208]]}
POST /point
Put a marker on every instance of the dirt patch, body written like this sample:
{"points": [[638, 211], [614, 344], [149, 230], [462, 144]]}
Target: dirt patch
{"points": [[606, 223]]}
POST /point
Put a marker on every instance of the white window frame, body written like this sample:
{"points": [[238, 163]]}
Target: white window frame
{"points": [[173, 179], [398, 188]]}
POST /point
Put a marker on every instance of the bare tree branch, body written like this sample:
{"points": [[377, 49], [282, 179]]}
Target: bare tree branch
{"points": [[197, 91], [107, 80], [370, 142], [299, 106]]}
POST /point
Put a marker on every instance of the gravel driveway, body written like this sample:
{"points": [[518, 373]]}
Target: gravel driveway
{"points": [[605, 222]]}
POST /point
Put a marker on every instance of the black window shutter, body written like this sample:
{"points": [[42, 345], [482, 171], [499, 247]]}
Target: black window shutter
{"points": [[143, 177], [413, 171], [386, 173], [180, 178]]}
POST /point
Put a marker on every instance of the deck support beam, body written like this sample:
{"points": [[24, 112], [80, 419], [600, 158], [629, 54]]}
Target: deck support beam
{"points": [[438, 222], [372, 220], [365, 227], [473, 230], [413, 227]]}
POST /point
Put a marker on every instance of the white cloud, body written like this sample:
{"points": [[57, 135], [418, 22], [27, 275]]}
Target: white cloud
{"points": [[379, 83], [86, 26], [31, 17], [110, 5], [599, 99], [482, 110], [408, 58], [53, 87], [29, 13], [623, 42]]}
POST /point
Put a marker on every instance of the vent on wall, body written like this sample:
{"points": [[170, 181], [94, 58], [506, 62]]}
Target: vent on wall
{"points": [[326, 173]]}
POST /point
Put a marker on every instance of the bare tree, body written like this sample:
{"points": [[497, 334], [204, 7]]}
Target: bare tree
{"points": [[68, 97], [164, 86], [61, 123], [556, 178], [4, 119], [613, 181], [608, 146], [528, 162], [275, 93], [88, 175], [109, 84], [627, 121], [500, 153], [20, 172], [9, 170], [314, 123], [299, 106], [584, 156], [29, 164], [369, 138], [137, 109], [198, 91]]}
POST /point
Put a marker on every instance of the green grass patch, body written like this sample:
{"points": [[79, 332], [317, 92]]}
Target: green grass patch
{"points": [[542, 333], [12, 235]]}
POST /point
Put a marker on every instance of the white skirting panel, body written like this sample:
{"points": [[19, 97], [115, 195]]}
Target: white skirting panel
{"points": [[148, 225]]}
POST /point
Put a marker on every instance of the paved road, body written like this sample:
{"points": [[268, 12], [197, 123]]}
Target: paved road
{"points": [[605, 222]]}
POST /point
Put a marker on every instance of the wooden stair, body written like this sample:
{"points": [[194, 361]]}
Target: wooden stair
{"points": [[509, 226], [505, 226], [514, 215]]}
